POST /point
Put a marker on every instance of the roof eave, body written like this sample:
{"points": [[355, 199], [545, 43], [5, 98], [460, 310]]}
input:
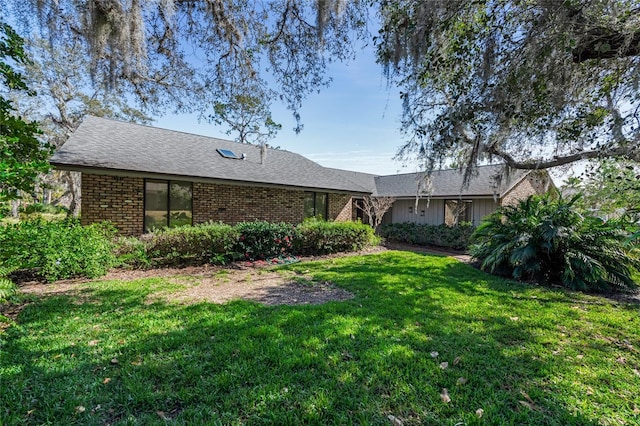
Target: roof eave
{"points": [[203, 179]]}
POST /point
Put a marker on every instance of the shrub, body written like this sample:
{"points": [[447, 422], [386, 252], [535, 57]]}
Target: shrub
{"points": [[456, 237], [7, 287], [547, 240], [191, 244], [320, 237], [261, 240], [59, 249], [131, 252]]}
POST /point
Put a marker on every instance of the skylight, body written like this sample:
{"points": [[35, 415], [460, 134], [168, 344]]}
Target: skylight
{"points": [[227, 153]]}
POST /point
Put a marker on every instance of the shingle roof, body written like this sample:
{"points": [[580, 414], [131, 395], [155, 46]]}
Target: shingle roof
{"points": [[364, 180], [100, 143], [445, 183]]}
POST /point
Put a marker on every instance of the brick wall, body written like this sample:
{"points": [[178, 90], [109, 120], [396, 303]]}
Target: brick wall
{"points": [[121, 201], [534, 183], [232, 204], [113, 198], [340, 207]]}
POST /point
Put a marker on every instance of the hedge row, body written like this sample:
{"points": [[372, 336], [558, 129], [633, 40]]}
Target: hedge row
{"points": [[65, 249], [455, 237], [220, 243]]}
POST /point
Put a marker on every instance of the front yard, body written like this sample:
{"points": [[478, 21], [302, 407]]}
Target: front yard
{"points": [[420, 339]]}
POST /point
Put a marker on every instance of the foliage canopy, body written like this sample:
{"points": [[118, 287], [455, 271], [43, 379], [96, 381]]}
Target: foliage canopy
{"points": [[535, 83], [22, 155]]}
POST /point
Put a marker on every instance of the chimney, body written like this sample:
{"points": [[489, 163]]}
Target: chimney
{"points": [[263, 153]]}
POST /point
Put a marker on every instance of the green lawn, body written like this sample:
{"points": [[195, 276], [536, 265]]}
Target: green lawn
{"points": [[526, 355]]}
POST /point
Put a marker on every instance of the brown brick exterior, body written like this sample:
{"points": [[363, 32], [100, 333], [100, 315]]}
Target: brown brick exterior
{"points": [[534, 183], [117, 199], [121, 201]]}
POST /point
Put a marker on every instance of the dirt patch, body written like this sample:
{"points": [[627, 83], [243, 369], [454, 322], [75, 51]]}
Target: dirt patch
{"points": [[258, 285], [220, 284]]}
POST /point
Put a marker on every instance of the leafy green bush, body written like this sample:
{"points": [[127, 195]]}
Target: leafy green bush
{"points": [[456, 237], [131, 252], [7, 287], [547, 240], [261, 240], [320, 237], [191, 244], [59, 249]]}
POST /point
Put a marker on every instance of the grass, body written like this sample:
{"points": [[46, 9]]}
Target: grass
{"points": [[529, 355]]}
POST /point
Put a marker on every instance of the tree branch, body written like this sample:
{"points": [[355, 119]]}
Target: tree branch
{"points": [[602, 43]]}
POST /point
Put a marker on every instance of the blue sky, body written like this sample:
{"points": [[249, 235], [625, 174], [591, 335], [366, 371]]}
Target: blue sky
{"points": [[353, 124]]}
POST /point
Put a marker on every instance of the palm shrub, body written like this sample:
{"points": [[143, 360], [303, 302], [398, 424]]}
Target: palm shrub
{"points": [[547, 240]]}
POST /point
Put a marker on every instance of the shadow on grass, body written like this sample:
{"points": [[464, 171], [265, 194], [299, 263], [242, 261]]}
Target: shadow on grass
{"points": [[114, 359]]}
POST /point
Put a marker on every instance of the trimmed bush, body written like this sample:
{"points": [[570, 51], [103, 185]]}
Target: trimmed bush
{"points": [[190, 245], [319, 237], [546, 240], [455, 237], [261, 240], [58, 249]]}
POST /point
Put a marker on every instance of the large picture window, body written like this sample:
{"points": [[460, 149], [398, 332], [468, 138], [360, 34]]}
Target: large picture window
{"points": [[457, 211], [166, 203], [316, 204]]}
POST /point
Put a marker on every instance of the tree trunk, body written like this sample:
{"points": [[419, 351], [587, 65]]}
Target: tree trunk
{"points": [[71, 178]]}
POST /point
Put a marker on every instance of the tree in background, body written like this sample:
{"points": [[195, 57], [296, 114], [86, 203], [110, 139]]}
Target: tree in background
{"points": [[23, 156], [609, 188], [189, 56], [534, 84], [374, 208], [66, 94]]}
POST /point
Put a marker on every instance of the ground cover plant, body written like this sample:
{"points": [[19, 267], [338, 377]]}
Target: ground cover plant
{"points": [[425, 339]]}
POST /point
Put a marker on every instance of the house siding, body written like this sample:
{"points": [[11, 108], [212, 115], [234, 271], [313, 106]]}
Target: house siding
{"points": [[483, 207], [433, 215], [121, 201], [533, 183], [117, 199]]}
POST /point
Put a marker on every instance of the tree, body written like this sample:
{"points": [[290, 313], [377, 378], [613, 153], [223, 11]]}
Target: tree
{"points": [[23, 155], [535, 84], [66, 94], [374, 208], [609, 188], [532, 83], [187, 55]]}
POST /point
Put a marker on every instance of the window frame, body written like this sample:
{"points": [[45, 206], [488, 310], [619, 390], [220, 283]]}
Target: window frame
{"points": [[467, 212], [314, 194], [168, 183]]}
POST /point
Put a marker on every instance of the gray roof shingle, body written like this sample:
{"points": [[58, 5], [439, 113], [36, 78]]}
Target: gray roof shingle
{"points": [[100, 143], [104, 144], [449, 183]]}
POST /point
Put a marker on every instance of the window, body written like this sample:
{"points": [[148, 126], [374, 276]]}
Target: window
{"points": [[227, 153], [456, 211], [166, 203], [316, 204]]}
